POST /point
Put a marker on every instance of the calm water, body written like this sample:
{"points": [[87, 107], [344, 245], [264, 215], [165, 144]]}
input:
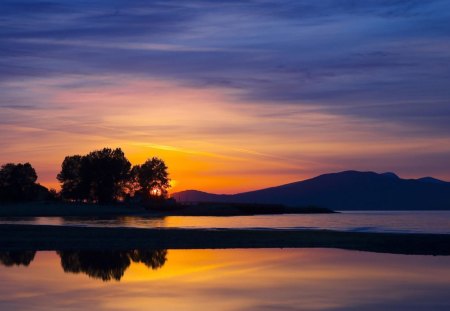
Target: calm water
{"points": [[244, 279], [404, 221]]}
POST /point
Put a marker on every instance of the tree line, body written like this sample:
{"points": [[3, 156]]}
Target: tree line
{"points": [[101, 176]]}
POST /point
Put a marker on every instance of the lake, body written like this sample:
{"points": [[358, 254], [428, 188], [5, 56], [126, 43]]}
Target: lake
{"points": [[236, 279], [367, 221], [232, 279]]}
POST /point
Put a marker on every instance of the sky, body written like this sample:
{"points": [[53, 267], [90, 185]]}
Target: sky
{"points": [[235, 95]]}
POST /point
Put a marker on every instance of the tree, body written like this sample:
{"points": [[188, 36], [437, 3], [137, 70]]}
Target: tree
{"points": [[152, 178], [72, 187], [105, 176], [18, 182], [99, 176], [107, 170]]}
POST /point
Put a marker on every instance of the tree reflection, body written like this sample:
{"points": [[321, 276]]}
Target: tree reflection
{"points": [[154, 259], [16, 258], [109, 265]]}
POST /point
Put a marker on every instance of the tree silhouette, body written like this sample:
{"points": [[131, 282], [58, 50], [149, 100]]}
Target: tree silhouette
{"points": [[105, 176], [18, 182], [72, 187], [109, 265], [99, 176], [107, 170], [152, 178], [17, 258], [153, 259], [104, 265]]}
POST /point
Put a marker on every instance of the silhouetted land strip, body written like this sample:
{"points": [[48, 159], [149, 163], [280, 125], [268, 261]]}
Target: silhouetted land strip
{"points": [[349, 190], [48, 209], [239, 209], [29, 237]]}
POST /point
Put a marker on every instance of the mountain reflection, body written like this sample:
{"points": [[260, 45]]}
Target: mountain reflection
{"points": [[16, 258], [103, 265]]}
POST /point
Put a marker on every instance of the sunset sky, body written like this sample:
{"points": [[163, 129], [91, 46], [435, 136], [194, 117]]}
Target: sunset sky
{"points": [[234, 96]]}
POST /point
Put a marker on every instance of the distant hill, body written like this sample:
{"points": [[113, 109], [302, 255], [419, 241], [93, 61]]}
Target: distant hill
{"points": [[349, 190], [432, 180]]}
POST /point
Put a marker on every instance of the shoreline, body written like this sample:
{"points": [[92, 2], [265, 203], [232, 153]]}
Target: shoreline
{"points": [[63, 209], [44, 237]]}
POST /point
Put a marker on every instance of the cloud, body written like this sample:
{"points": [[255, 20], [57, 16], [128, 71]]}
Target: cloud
{"points": [[354, 58], [384, 64]]}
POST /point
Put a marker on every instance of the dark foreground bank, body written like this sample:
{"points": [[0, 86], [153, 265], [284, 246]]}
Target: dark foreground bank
{"points": [[29, 237]]}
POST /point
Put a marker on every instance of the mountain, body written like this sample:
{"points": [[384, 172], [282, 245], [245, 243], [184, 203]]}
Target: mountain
{"points": [[431, 180], [349, 190]]}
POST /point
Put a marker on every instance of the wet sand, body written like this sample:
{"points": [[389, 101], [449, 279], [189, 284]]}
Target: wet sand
{"points": [[31, 237]]}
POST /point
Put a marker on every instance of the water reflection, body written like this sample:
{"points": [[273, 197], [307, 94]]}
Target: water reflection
{"points": [[232, 280], [119, 221], [367, 221], [103, 265], [16, 258]]}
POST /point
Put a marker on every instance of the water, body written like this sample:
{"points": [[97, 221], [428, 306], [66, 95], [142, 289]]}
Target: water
{"points": [[223, 280], [367, 221]]}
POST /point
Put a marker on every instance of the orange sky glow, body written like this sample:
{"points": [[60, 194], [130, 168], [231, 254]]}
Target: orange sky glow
{"points": [[209, 138], [227, 106]]}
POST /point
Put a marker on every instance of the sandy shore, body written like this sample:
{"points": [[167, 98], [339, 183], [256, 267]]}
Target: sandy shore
{"points": [[29, 237]]}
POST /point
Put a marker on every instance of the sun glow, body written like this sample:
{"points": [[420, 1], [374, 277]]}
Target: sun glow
{"points": [[155, 192], [209, 141]]}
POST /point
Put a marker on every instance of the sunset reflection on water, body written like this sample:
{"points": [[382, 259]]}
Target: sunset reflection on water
{"points": [[244, 279], [367, 221]]}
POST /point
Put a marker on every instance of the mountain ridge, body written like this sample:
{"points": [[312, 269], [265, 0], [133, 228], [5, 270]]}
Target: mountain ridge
{"points": [[347, 190]]}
